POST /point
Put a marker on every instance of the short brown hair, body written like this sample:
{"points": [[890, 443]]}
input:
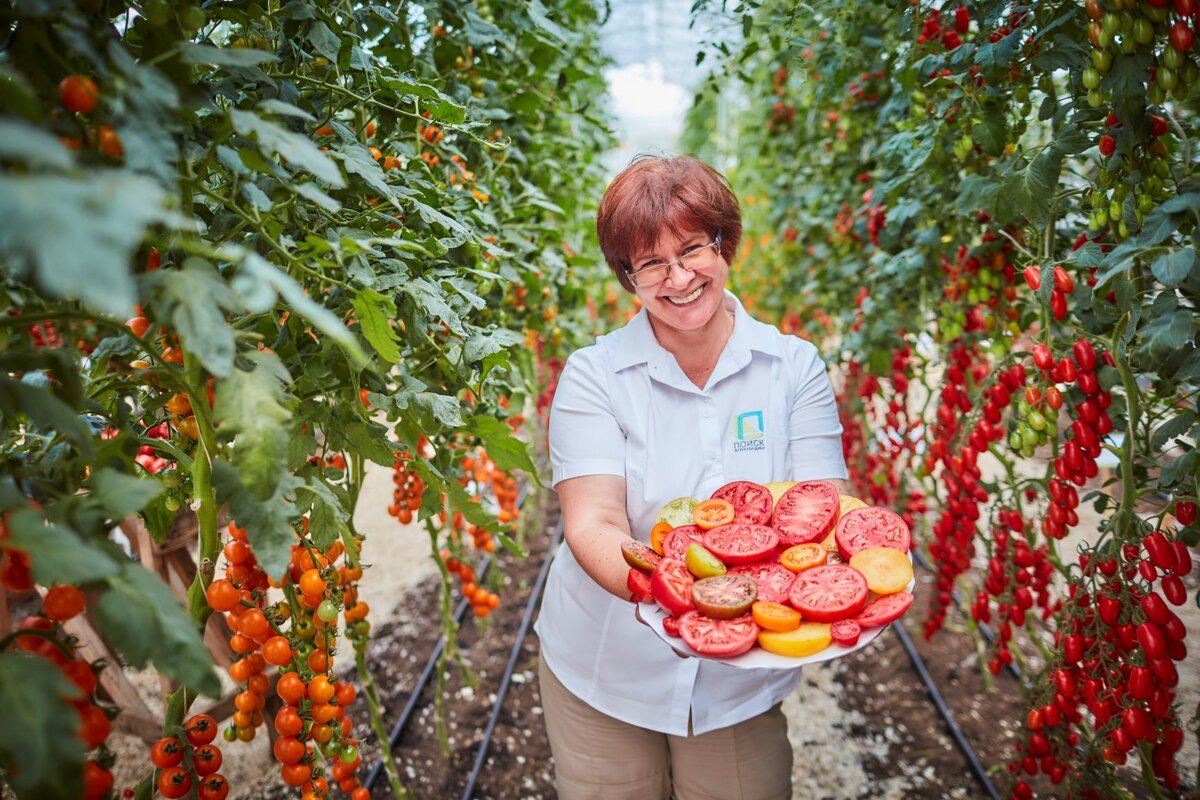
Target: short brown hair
{"points": [[679, 193]]}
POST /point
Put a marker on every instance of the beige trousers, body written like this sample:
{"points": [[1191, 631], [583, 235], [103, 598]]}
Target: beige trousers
{"points": [[597, 757]]}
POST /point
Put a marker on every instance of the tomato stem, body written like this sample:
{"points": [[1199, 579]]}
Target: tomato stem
{"points": [[381, 733]]}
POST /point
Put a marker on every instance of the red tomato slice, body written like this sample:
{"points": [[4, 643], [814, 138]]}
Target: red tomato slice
{"points": [[677, 541], [884, 609], [721, 638], [741, 544], [806, 513], [671, 585], [845, 632], [872, 526], [773, 580], [724, 596], [828, 593], [638, 584], [751, 502], [671, 626]]}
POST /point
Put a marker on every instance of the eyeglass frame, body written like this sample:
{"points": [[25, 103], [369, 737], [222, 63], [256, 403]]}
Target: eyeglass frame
{"points": [[632, 274]]}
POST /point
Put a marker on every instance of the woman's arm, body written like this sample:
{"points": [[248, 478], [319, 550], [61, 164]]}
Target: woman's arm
{"points": [[594, 525]]}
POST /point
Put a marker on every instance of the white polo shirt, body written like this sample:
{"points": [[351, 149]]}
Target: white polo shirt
{"points": [[624, 407]]}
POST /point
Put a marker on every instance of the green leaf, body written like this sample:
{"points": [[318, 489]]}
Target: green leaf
{"points": [[1173, 428], [282, 109], [359, 161], [256, 197], [76, 236], [249, 404], [193, 53], [370, 439], [294, 148], [310, 191], [502, 446], [325, 512], [1166, 333], [39, 754], [324, 41], [375, 312], [434, 217], [481, 345], [267, 523], [59, 555], [121, 495], [20, 141], [195, 299], [145, 622], [1177, 469], [46, 411], [1172, 269], [428, 300]]}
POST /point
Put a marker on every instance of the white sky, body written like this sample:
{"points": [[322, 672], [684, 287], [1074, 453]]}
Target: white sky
{"points": [[649, 111]]}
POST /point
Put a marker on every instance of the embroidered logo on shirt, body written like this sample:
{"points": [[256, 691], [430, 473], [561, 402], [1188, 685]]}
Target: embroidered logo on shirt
{"points": [[750, 432]]}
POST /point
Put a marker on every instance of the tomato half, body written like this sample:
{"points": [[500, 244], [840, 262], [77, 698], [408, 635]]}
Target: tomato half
{"points": [[741, 544], [671, 586], [884, 609], [677, 541], [775, 616], [658, 534], [671, 626], [711, 513], [808, 638], [845, 632], [773, 580], [751, 502], [702, 563], [721, 638], [829, 593], [872, 527], [724, 596], [803, 556], [638, 584], [677, 512], [806, 512], [639, 556]]}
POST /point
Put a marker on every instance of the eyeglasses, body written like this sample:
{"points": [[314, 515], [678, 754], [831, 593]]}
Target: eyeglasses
{"points": [[694, 259]]}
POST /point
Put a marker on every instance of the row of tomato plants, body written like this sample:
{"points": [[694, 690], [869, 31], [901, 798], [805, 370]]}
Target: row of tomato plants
{"points": [[984, 212], [248, 252]]}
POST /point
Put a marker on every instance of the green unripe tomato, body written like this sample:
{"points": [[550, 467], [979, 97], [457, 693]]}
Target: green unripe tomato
{"points": [[1126, 20], [1123, 230], [171, 503], [157, 12], [1143, 31], [1091, 78], [1101, 217], [1155, 13], [230, 734], [1014, 441], [305, 629], [1172, 58], [327, 611], [192, 18], [1166, 78], [361, 629], [1102, 60], [1111, 24], [1036, 420], [1155, 94], [348, 753], [1114, 210], [1128, 45], [1095, 98]]}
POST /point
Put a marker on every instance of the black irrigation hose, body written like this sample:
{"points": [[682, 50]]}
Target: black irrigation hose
{"points": [[935, 695], [534, 596]]}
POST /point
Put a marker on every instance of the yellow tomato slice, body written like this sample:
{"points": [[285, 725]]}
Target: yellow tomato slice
{"points": [[777, 488], [886, 569], [711, 513], [658, 534], [775, 616], [846, 504], [807, 639], [804, 556]]}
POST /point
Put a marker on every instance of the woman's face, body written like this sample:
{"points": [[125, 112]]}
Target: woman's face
{"points": [[686, 299]]}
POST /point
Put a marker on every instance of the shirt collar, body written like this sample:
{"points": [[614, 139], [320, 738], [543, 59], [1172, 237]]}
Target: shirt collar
{"points": [[636, 344]]}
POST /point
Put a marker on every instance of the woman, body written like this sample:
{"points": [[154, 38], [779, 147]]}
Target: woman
{"points": [[691, 394]]}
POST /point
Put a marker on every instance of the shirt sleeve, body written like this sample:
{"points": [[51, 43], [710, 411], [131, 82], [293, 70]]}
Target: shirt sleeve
{"points": [[815, 446], [585, 436]]}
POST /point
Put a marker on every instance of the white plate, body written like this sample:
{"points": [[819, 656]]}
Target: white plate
{"points": [[757, 658]]}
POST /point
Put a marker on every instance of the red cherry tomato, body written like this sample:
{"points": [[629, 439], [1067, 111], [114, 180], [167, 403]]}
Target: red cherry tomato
{"points": [[174, 782]]}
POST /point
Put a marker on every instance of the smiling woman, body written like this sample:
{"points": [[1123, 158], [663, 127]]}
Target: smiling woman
{"points": [[691, 395]]}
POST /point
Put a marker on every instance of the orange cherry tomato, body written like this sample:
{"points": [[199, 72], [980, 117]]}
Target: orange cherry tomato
{"points": [[803, 556], [290, 688], [320, 690], [711, 513], [78, 94], [63, 602], [277, 650], [775, 616]]}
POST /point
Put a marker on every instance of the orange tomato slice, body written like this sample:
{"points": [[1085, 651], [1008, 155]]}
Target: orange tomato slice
{"points": [[804, 556], [658, 534], [711, 513], [775, 616]]}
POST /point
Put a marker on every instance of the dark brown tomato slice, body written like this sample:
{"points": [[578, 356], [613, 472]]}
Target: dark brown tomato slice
{"points": [[751, 502], [639, 555], [671, 586], [845, 632], [806, 513], [719, 638], [773, 580], [872, 526], [741, 544], [671, 626], [638, 584], [884, 609], [829, 593], [677, 541], [724, 596]]}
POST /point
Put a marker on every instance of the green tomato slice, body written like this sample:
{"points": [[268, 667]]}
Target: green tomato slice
{"points": [[701, 563], [678, 512]]}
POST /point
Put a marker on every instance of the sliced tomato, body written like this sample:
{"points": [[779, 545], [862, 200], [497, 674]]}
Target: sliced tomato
{"points": [[676, 542], [724, 596], [775, 616], [720, 638], [807, 639], [828, 593], [658, 535], [677, 512], [803, 556], [639, 555], [806, 512], [752, 503], [741, 544], [845, 632], [872, 526], [702, 563], [711, 513], [884, 609], [638, 584], [773, 580], [671, 626], [671, 586]]}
